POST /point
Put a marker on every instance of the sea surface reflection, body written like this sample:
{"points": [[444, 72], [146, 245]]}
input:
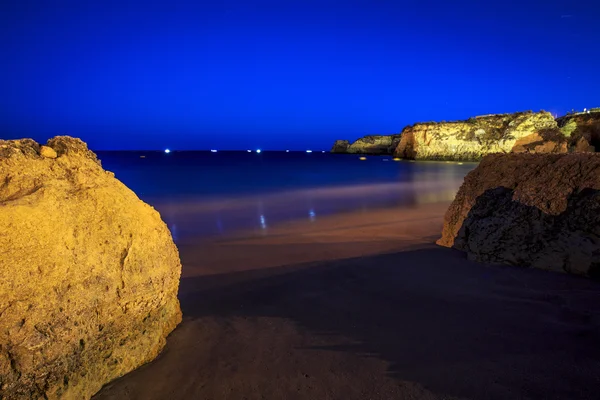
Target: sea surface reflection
{"points": [[209, 194]]}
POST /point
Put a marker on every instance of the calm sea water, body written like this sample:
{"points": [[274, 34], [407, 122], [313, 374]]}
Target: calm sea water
{"points": [[208, 194]]}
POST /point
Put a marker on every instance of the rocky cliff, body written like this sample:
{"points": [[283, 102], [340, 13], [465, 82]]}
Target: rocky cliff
{"points": [[476, 137], [538, 210], [472, 139], [582, 130], [88, 273], [340, 146], [373, 144]]}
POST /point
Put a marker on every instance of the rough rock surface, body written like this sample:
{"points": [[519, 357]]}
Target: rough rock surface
{"points": [[539, 210], [88, 273], [476, 137], [545, 141], [582, 130], [581, 145], [340, 146], [374, 144]]}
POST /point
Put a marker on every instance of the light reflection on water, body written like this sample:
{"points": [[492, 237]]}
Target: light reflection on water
{"points": [[174, 232], [212, 194], [200, 217], [263, 223]]}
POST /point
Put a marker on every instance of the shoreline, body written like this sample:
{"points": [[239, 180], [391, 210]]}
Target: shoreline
{"points": [[364, 305]]}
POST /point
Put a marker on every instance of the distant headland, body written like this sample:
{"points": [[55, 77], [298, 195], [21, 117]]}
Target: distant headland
{"points": [[472, 139]]}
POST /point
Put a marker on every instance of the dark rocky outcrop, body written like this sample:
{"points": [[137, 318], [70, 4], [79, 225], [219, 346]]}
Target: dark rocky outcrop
{"points": [[538, 210], [88, 273], [374, 144], [340, 146], [582, 130]]}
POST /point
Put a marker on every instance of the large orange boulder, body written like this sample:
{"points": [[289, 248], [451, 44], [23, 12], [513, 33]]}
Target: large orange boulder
{"points": [[89, 273]]}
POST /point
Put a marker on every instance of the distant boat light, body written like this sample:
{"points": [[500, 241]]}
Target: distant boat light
{"points": [[249, 151], [323, 151], [167, 151], [213, 151], [287, 151], [362, 158], [309, 151], [258, 151]]}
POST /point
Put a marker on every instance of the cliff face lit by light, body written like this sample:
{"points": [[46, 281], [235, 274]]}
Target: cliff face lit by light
{"points": [[472, 139]]}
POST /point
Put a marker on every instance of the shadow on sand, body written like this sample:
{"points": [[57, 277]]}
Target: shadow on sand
{"points": [[453, 327]]}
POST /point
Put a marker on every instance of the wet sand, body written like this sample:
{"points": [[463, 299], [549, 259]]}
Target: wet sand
{"points": [[363, 305]]}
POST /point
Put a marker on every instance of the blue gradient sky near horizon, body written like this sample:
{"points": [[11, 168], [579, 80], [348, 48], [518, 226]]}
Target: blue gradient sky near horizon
{"points": [[284, 74]]}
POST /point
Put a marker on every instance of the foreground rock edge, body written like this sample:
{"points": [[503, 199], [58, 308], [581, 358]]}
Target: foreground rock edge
{"points": [[535, 210], [89, 273]]}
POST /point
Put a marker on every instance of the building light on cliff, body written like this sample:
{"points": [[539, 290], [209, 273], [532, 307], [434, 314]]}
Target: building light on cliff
{"points": [[167, 151]]}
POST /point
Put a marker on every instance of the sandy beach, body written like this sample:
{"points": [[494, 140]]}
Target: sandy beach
{"points": [[299, 200], [363, 305]]}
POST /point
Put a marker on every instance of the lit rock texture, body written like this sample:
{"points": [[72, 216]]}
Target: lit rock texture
{"points": [[582, 130], [374, 144], [88, 273], [535, 210], [545, 141], [474, 138]]}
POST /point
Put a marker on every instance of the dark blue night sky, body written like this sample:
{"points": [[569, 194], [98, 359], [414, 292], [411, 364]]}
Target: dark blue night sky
{"points": [[284, 74]]}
